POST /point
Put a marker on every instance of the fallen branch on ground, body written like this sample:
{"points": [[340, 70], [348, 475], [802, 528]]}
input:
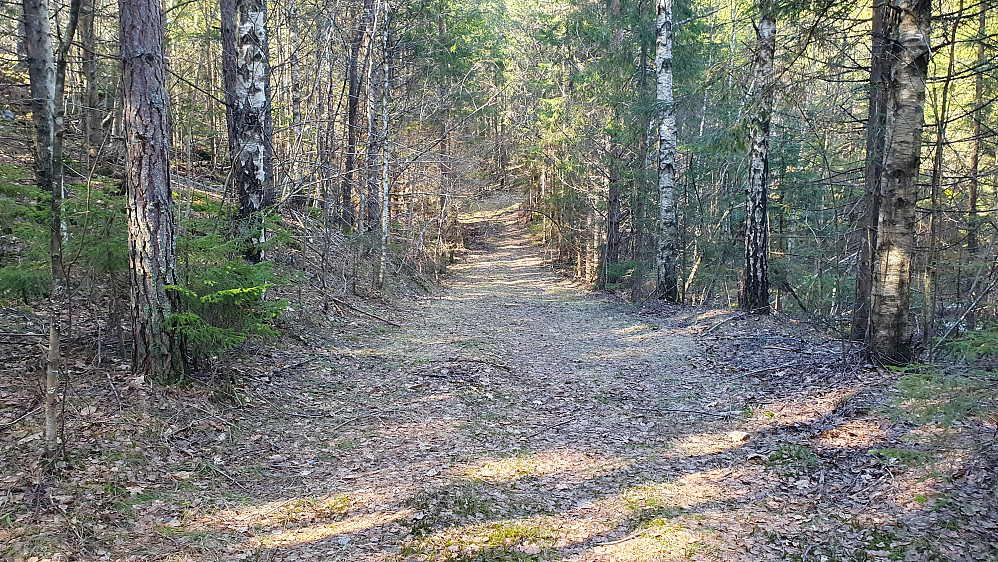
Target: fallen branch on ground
{"points": [[765, 370], [364, 312], [722, 322]]}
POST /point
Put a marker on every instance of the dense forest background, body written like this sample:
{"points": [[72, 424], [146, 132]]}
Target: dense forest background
{"points": [[436, 103], [335, 153]]}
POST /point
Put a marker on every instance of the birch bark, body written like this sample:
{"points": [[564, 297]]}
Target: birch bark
{"points": [[668, 235], [755, 288], [889, 334]]}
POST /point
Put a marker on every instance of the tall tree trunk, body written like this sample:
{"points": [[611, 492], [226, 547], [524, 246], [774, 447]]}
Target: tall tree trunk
{"points": [[385, 199], [374, 138], [41, 75], [47, 79], [227, 9], [975, 149], [251, 127], [92, 115], [668, 232], [889, 337], [295, 168], [151, 245], [613, 211], [935, 186], [884, 23], [354, 79], [755, 290]]}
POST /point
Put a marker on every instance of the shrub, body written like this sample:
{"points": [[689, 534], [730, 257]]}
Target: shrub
{"points": [[220, 308]]}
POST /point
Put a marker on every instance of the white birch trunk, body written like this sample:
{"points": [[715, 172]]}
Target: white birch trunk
{"points": [[668, 234], [755, 287]]}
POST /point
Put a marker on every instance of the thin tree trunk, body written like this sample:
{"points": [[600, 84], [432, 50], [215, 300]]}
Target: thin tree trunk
{"points": [[92, 115], [935, 185], [884, 22], [755, 289], [668, 234], [41, 73], [295, 169], [151, 246], [385, 200], [229, 19], [354, 79], [975, 148], [889, 337], [374, 139], [47, 79], [613, 212]]}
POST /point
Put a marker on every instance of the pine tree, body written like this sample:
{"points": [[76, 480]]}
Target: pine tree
{"points": [[151, 245]]}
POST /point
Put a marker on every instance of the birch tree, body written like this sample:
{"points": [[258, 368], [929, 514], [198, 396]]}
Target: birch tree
{"points": [[899, 181], [47, 84], [755, 288], [247, 84], [668, 235]]}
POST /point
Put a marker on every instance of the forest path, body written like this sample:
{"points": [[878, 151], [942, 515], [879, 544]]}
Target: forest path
{"points": [[517, 416], [514, 415]]}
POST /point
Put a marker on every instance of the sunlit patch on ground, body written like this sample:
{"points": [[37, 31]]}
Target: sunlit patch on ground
{"points": [[858, 433], [569, 466]]}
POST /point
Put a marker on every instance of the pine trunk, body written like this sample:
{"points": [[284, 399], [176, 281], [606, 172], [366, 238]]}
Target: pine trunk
{"points": [[755, 290], [151, 246], [889, 337], [668, 234]]}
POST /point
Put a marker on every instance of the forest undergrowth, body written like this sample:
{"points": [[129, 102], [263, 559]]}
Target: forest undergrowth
{"points": [[512, 415]]}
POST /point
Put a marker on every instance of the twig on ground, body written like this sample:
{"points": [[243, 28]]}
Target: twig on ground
{"points": [[295, 414], [633, 535], [216, 416], [490, 363], [223, 473], [548, 428], [21, 417], [349, 421], [700, 412], [764, 370], [434, 375], [722, 322], [364, 312], [292, 366], [114, 390]]}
